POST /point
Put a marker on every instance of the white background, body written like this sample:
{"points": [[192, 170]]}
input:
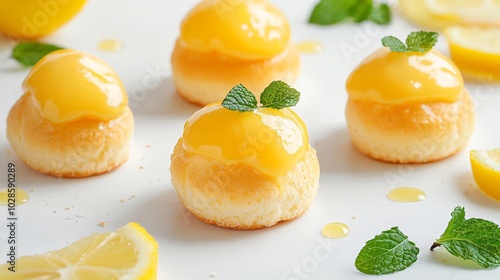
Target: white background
{"points": [[353, 187]]}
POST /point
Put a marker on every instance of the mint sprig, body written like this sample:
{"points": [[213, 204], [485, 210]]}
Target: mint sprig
{"points": [[388, 252], [240, 99], [277, 95], [328, 12], [472, 239], [29, 53], [418, 41]]}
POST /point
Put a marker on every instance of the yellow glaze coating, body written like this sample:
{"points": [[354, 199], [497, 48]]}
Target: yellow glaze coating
{"points": [[35, 18], [68, 85], [252, 29], [272, 141], [399, 78]]}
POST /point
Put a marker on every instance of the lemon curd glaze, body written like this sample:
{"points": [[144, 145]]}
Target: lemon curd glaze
{"points": [[68, 85], [408, 77], [272, 141], [252, 29]]}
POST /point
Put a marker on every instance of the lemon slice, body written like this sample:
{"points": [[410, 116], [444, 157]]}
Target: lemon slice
{"points": [[484, 12], [438, 14], [486, 171], [128, 253], [475, 50]]}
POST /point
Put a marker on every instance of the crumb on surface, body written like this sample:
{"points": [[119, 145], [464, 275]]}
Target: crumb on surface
{"points": [[148, 146], [213, 275], [141, 167], [67, 208], [102, 224], [122, 200], [354, 217]]}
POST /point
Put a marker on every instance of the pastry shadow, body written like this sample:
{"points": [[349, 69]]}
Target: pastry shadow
{"points": [[442, 256], [337, 155], [472, 193], [159, 100], [28, 178], [181, 225]]}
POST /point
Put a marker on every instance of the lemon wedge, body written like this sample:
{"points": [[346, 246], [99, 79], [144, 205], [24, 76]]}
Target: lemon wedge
{"points": [[486, 170], [438, 14], [128, 253], [484, 12], [476, 51]]}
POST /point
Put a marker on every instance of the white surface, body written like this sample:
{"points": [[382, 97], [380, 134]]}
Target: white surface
{"points": [[353, 187]]}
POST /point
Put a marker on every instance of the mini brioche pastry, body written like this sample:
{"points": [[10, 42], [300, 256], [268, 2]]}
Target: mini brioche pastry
{"points": [[243, 166], [73, 119], [408, 104], [225, 43]]}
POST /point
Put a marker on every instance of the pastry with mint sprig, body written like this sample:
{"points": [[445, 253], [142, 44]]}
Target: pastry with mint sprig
{"points": [[407, 103], [244, 165]]}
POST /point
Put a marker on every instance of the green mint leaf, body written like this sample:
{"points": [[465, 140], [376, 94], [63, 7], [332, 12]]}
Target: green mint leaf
{"points": [[332, 11], [240, 99], [388, 252], [394, 44], [362, 10], [473, 239], [29, 53], [421, 41], [380, 14], [279, 95]]}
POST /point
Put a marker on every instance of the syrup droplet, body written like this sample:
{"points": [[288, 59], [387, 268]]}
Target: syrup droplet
{"points": [[110, 45], [406, 194], [309, 47], [335, 230], [21, 197]]}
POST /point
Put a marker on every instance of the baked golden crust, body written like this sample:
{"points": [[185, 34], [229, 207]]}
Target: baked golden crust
{"points": [[81, 148], [237, 196], [207, 77], [410, 133]]}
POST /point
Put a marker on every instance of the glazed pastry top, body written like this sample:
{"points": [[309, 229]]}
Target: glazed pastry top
{"points": [[249, 30], [270, 140], [406, 77], [68, 85]]}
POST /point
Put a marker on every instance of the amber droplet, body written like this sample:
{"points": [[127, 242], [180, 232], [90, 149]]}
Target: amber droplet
{"points": [[335, 230], [406, 194], [309, 47], [19, 197]]}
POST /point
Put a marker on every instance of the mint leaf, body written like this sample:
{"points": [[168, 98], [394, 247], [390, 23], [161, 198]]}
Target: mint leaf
{"points": [[388, 252], [328, 12], [473, 239], [394, 44], [331, 11], [29, 53], [421, 41], [279, 95], [380, 14], [240, 99], [362, 11]]}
